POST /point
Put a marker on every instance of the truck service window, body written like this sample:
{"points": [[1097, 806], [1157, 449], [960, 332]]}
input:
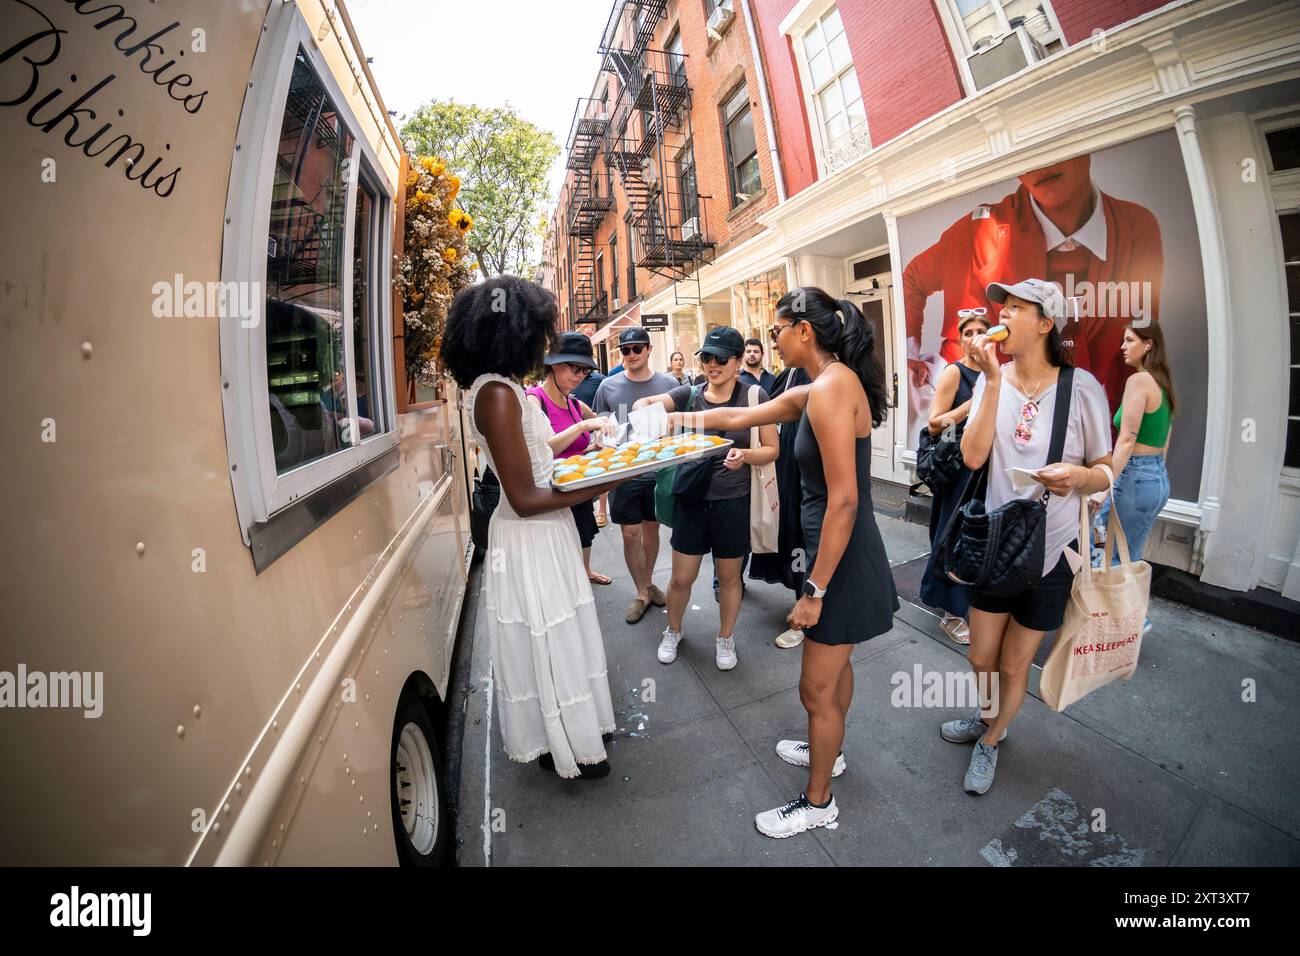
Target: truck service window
{"points": [[307, 380]]}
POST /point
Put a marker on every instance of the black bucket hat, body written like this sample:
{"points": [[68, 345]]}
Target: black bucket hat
{"points": [[571, 348]]}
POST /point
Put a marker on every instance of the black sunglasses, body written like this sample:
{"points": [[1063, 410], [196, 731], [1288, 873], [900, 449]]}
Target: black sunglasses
{"points": [[774, 333], [632, 349], [708, 358]]}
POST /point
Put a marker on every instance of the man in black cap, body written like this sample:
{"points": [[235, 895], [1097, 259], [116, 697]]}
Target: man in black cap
{"points": [[632, 504]]}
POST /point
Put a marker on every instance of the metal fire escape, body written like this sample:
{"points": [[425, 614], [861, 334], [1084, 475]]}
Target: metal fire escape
{"points": [[589, 198], [648, 138]]}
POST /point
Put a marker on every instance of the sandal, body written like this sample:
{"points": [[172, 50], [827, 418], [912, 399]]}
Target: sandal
{"points": [[956, 629], [601, 521], [595, 577]]}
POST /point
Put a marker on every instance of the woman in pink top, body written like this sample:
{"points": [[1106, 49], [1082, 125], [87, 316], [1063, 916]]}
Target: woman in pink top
{"points": [[572, 421]]}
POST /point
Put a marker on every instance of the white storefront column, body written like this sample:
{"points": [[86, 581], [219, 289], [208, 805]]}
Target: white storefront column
{"points": [[1219, 567], [1260, 518]]}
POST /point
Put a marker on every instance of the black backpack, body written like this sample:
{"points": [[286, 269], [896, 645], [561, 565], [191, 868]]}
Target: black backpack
{"points": [[1001, 552]]}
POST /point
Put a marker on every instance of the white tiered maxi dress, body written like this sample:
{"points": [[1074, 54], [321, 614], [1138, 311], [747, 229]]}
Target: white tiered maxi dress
{"points": [[548, 657]]}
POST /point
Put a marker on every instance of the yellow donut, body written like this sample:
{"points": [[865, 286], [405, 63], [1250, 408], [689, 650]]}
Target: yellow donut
{"points": [[571, 476]]}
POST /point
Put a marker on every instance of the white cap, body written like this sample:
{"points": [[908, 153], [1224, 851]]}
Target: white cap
{"points": [[1048, 295]]}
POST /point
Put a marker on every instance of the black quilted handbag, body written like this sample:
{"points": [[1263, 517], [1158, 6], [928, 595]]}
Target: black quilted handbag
{"points": [[1001, 552], [938, 459]]}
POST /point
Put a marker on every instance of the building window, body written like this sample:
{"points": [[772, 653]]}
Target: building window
{"points": [[742, 153], [1290, 226], [689, 200], [995, 39], [600, 276], [836, 97], [982, 22], [1283, 145], [1283, 148], [676, 58]]}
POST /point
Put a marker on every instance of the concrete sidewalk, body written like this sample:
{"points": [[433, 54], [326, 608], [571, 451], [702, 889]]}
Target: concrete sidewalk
{"points": [[1172, 767]]}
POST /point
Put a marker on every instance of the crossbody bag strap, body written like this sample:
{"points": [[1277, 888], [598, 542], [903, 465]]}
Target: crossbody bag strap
{"points": [[753, 400], [1060, 418]]}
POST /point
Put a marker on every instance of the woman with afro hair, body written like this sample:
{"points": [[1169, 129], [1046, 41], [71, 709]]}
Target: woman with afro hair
{"points": [[547, 653]]}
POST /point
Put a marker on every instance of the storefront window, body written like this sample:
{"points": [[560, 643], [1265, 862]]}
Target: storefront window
{"points": [[753, 310], [306, 376]]}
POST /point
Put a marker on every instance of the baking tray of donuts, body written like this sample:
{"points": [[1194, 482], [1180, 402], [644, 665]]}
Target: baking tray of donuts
{"points": [[633, 458]]}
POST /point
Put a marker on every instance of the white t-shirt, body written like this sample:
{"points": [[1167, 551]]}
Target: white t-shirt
{"points": [[1087, 438]]}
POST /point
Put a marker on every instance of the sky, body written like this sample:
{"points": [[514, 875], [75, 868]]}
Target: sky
{"points": [[538, 56]]}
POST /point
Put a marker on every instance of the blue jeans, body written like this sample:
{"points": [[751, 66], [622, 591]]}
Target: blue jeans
{"points": [[1141, 491]]}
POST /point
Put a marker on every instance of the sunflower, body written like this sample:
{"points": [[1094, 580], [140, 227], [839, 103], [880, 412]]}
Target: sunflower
{"points": [[449, 255], [461, 220]]}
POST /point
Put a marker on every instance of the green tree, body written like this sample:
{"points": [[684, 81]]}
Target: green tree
{"points": [[503, 161]]}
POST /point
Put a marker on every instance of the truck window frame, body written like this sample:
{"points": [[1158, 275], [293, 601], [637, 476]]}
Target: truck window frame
{"points": [[261, 492]]}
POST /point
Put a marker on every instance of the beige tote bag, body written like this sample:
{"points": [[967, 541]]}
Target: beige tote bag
{"points": [[1102, 633], [764, 499]]}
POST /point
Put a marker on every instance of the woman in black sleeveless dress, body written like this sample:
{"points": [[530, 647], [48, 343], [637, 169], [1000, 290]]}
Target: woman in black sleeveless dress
{"points": [[848, 592], [951, 405]]}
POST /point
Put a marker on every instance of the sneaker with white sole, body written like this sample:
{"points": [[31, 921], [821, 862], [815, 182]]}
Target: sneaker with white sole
{"points": [[795, 817], [725, 653], [797, 752], [966, 730], [983, 763], [790, 638], [668, 646]]}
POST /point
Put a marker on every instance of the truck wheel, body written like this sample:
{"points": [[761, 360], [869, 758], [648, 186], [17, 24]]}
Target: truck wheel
{"points": [[420, 824]]}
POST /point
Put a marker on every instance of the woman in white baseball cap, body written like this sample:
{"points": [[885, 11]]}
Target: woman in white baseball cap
{"points": [[1010, 425]]}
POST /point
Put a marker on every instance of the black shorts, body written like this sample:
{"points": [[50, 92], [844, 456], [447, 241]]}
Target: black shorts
{"points": [[1039, 609], [584, 516], [633, 502], [718, 526]]}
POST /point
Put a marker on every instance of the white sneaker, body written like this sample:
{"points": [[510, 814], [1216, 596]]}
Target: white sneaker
{"points": [[790, 638], [725, 653], [797, 753], [668, 646], [795, 817]]}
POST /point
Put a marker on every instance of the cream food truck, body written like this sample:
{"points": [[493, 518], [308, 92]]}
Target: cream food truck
{"points": [[235, 556]]}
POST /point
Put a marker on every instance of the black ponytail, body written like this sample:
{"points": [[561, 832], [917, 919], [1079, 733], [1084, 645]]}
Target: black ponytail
{"points": [[851, 339]]}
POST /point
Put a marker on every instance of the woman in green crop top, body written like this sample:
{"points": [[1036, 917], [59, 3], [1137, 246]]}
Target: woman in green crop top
{"points": [[1143, 422]]}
